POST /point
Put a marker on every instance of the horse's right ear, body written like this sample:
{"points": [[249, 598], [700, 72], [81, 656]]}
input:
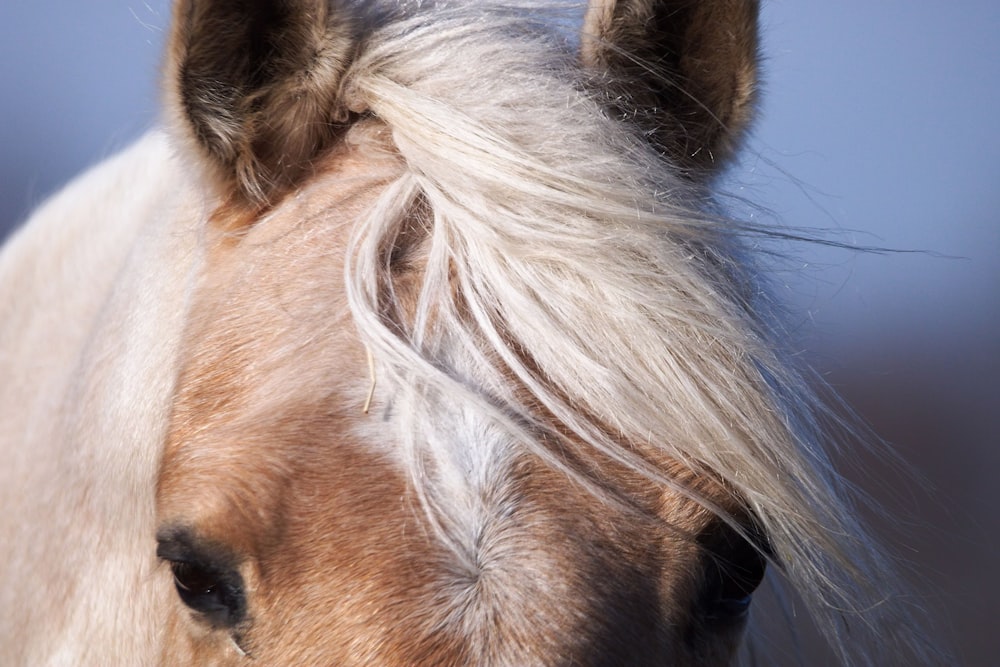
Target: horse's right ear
{"points": [[256, 86]]}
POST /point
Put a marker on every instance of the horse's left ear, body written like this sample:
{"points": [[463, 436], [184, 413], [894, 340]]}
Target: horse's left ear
{"points": [[256, 85], [684, 70]]}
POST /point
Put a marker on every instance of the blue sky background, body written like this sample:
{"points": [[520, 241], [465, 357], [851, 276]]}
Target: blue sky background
{"points": [[878, 126]]}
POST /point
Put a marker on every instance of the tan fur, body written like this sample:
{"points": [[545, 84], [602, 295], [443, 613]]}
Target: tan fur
{"points": [[584, 438], [270, 461], [88, 362]]}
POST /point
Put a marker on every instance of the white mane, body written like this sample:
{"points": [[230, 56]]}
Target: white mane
{"points": [[577, 300], [573, 241]]}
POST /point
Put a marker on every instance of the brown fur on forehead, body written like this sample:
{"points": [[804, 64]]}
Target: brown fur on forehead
{"points": [[270, 455], [263, 325], [334, 547], [381, 571], [350, 562]]}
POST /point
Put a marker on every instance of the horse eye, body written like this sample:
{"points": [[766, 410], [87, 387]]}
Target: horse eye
{"points": [[193, 581], [205, 576], [734, 568], [217, 595]]}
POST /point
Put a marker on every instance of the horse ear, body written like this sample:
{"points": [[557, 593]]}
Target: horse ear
{"points": [[684, 70], [255, 83]]}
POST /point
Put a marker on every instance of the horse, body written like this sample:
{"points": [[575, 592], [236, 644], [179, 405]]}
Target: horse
{"points": [[414, 335]]}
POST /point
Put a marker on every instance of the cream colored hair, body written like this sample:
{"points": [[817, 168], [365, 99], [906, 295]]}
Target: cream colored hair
{"points": [[608, 287]]}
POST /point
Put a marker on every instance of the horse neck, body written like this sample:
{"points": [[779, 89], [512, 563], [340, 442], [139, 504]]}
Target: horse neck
{"points": [[105, 262]]}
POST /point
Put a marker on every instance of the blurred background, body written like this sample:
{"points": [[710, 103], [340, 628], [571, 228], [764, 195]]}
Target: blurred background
{"points": [[878, 128]]}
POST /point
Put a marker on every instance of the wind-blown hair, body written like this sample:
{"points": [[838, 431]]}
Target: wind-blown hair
{"points": [[577, 436], [624, 305]]}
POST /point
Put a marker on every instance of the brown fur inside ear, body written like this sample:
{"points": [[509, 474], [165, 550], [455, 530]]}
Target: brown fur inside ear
{"points": [[256, 82], [684, 70]]}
